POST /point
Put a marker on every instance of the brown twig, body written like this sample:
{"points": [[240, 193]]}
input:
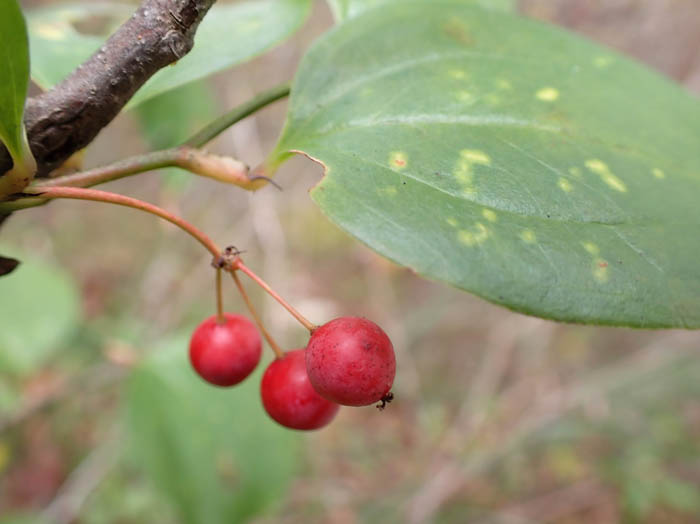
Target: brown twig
{"points": [[69, 116]]}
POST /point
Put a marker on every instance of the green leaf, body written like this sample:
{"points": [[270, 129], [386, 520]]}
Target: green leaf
{"points": [[212, 451], [14, 72], [345, 9], [228, 35], [39, 309], [169, 119], [63, 36], [508, 158]]}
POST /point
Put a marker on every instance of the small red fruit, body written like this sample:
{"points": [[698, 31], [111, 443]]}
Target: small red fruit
{"points": [[289, 398], [224, 354], [351, 361]]}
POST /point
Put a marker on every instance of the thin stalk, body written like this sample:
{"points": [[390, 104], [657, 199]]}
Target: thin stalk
{"points": [[127, 167], [96, 195], [238, 264], [175, 157], [225, 121], [271, 341], [219, 298]]}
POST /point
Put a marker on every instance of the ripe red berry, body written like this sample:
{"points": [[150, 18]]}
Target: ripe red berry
{"points": [[289, 398], [224, 354], [351, 361]]}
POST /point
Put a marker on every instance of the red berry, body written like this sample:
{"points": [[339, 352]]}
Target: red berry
{"points": [[289, 398], [351, 361], [224, 354]]}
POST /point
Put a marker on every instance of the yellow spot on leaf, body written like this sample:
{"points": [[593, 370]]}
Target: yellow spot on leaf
{"points": [[600, 265], [464, 96], [492, 99], [565, 185], [547, 94], [591, 248], [490, 215], [474, 237], [601, 169], [575, 171], [658, 173], [600, 270], [457, 74], [464, 172], [528, 236], [602, 61], [475, 156], [398, 160], [503, 84], [387, 191], [452, 222]]}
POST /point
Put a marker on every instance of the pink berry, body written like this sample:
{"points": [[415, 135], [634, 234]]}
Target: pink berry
{"points": [[351, 361], [289, 398], [224, 354]]}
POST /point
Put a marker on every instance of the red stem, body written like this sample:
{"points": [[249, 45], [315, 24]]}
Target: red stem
{"points": [[219, 298], [95, 195], [271, 341], [238, 264]]}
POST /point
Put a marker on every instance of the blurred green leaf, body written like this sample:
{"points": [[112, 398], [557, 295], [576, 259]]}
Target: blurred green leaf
{"points": [[58, 45], [681, 496], [475, 148], [14, 72], [228, 35], [346, 9], [212, 451], [169, 119], [39, 308]]}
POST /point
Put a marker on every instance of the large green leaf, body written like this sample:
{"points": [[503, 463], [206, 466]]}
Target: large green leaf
{"points": [[508, 158], [345, 9], [14, 76], [39, 308], [212, 451], [228, 35]]}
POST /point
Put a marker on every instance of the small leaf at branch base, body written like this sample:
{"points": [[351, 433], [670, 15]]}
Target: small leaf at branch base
{"points": [[508, 158], [8, 265], [14, 75]]}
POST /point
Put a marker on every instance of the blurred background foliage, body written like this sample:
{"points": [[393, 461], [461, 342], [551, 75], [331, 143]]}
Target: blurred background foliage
{"points": [[499, 417]]}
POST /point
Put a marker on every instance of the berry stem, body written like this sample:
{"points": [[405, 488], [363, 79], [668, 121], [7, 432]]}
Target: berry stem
{"points": [[219, 298], [271, 341], [77, 193], [238, 264]]}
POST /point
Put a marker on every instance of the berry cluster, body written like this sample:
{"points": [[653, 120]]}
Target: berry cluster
{"points": [[348, 361]]}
